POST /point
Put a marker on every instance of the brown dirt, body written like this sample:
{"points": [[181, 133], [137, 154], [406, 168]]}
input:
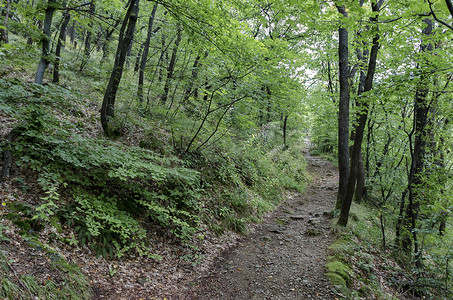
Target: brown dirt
{"points": [[285, 257]]}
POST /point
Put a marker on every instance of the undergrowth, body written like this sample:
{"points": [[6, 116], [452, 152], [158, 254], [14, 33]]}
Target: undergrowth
{"points": [[362, 268], [108, 191]]}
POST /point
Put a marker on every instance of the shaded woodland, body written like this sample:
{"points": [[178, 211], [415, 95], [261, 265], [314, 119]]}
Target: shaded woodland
{"points": [[126, 120]]}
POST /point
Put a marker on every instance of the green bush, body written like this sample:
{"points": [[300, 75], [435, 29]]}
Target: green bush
{"points": [[124, 183]]}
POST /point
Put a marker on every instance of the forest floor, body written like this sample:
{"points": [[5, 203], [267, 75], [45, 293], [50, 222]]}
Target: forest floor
{"points": [[285, 256], [281, 258]]}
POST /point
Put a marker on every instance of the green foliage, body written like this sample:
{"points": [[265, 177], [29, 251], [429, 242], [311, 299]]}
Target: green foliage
{"points": [[324, 129], [101, 225], [376, 271], [111, 193], [249, 180], [124, 181]]}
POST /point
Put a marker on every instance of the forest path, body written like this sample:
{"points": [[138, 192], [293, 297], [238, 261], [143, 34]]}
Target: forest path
{"points": [[285, 257]]}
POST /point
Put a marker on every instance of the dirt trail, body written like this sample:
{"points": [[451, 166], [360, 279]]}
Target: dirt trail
{"points": [[285, 257]]}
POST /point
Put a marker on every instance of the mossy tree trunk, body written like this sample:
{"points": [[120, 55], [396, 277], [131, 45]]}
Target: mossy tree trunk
{"points": [[45, 54]]}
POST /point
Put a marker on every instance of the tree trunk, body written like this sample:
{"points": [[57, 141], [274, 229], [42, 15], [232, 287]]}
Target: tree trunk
{"points": [[343, 114], [60, 42], [87, 50], [108, 37], [329, 74], [171, 66], [4, 31], [138, 57], [72, 33], [195, 69], [415, 180], [285, 122], [360, 129], [360, 189], [124, 40], [45, 59], [145, 54]]}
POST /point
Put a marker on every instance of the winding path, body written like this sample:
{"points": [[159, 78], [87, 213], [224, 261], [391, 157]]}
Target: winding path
{"points": [[285, 257]]}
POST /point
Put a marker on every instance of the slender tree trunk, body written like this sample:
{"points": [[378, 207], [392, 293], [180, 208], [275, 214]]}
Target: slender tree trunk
{"points": [[343, 114], [108, 37], [124, 40], [189, 90], [87, 49], [285, 122], [360, 189], [60, 43], [418, 151], [72, 33], [45, 55], [171, 66], [138, 57], [145, 54], [163, 56], [329, 74]]}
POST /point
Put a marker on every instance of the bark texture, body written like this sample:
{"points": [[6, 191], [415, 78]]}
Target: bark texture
{"points": [[343, 113]]}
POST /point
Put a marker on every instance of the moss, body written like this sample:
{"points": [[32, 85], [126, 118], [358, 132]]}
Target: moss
{"points": [[341, 246], [313, 232], [341, 269], [336, 279]]}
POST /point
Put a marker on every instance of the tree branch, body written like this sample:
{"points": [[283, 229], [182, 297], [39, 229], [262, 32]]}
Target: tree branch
{"points": [[450, 8]]}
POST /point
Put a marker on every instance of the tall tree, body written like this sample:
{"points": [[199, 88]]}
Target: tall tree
{"points": [[60, 43], [145, 53], [363, 107], [45, 53], [418, 150], [88, 36], [343, 113], [171, 65], [125, 38], [3, 30]]}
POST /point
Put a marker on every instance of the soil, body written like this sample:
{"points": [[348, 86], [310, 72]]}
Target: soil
{"points": [[285, 256]]}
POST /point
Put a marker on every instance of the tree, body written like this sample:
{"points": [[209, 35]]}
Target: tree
{"points": [[145, 53], [171, 65], [3, 30], [45, 40], [125, 38], [343, 113], [60, 42], [418, 152], [89, 33], [363, 107]]}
